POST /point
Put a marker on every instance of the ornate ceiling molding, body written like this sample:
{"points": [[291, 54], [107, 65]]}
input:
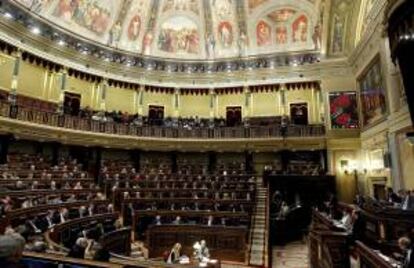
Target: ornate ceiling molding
{"points": [[18, 36]]}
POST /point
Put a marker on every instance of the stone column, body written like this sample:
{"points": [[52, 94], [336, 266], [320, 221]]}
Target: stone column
{"points": [[176, 102], [397, 181]]}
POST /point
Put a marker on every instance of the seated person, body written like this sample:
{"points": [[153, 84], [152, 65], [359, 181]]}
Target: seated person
{"points": [[201, 251], [78, 250], [346, 221], [11, 250], [177, 220], [157, 220], [175, 254], [407, 257]]}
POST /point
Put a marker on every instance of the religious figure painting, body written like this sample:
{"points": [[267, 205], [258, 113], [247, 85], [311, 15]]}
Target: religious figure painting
{"points": [[263, 34], [225, 33], [134, 27], [300, 29], [90, 14], [373, 99], [147, 42], [338, 34], [281, 34], [115, 34], [343, 110], [179, 35]]}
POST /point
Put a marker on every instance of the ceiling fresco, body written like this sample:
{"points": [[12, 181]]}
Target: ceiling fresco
{"points": [[194, 29]]}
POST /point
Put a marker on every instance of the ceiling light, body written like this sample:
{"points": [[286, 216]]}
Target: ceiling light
{"points": [[295, 64], [35, 30], [61, 43], [7, 15]]}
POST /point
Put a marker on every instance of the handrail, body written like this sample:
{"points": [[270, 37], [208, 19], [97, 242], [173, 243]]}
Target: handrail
{"points": [[61, 259], [90, 125]]}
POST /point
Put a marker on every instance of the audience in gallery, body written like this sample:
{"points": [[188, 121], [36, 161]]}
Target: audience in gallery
{"points": [[139, 120], [169, 122]]}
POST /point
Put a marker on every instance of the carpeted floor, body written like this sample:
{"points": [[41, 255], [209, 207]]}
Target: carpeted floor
{"points": [[293, 255]]}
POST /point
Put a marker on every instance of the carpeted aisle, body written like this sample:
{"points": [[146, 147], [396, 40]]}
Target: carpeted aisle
{"points": [[293, 255]]}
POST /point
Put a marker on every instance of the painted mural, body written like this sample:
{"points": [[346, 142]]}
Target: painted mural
{"points": [[291, 28], [300, 29], [204, 29], [133, 25], [339, 18], [263, 34], [343, 108], [180, 5], [372, 90], [95, 16], [179, 35], [255, 3], [225, 29], [338, 34]]}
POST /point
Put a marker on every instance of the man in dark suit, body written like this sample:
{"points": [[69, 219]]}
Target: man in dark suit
{"points": [[406, 247]]}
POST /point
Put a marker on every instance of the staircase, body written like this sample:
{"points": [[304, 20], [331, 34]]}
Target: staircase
{"points": [[259, 233]]}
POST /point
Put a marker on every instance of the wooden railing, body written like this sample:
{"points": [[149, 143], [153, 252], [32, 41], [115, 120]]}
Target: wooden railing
{"points": [[82, 124]]}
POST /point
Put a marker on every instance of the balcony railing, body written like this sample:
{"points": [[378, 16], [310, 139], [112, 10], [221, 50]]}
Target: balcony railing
{"points": [[82, 124]]}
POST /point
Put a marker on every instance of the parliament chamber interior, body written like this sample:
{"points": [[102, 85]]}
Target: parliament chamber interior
{"points": [[206, 133]]}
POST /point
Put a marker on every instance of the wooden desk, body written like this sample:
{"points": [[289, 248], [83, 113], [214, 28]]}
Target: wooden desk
{"points": [[47, 192], [384, 225], [321, 221], [56, 235], [118, 241], [368, 258], [328, 247], [27, 212], [115, 262], [224, 243]]}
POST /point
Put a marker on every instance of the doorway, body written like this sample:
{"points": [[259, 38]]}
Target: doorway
{"points": [[299, 113], [71, 103], [233, 116], [156, 115]]}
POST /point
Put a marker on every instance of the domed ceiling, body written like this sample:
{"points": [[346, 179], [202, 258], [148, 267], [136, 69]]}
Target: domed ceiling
{"points": [[191, 29]]}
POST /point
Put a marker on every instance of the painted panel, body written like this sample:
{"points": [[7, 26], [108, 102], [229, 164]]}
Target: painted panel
{"points": [[343, 110], [372, 90]]}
